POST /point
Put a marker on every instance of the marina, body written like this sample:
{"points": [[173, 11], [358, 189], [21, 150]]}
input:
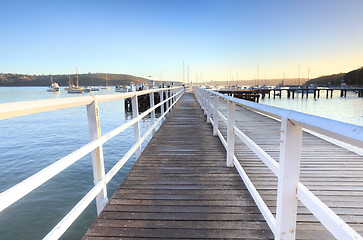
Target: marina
{"points": [[154, 120], [179, 196], [256, 93]]}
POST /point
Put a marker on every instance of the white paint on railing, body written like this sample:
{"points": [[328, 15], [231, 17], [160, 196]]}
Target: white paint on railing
{"points": [[215, 114], [325, 215], [97, 154], [288, 178], [98, 191], [267, 159], [270, 219], [230, 133], [208, 107], [135, 114], [288, 168], [152, 96], [222, 117], [345, 132]]}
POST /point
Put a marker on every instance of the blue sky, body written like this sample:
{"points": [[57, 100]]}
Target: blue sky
{"points": [[218, 39]]}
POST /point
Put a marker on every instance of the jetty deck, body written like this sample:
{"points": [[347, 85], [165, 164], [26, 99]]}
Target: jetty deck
{"points": [[333, 173], [180, 187]]}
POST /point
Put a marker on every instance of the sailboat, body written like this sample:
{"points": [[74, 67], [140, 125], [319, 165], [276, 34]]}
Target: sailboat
{"points": [[73, 89], [54, 87], [106, 87]]}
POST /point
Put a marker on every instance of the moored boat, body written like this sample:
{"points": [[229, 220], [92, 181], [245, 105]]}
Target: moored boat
{"points": [[73, 89], [54, 87]]}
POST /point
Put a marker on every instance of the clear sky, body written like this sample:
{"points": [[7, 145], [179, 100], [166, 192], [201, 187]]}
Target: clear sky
{"points": [[216, 38]]}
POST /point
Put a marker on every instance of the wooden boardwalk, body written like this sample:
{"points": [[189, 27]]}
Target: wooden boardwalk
{"points": [[332, 173], [180, 188]]}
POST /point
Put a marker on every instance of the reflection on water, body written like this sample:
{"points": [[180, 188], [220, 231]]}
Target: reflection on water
{"points": [[346, 109]]}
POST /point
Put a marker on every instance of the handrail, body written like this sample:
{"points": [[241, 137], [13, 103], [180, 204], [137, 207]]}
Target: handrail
{"points": [[345, 132], [9, 110], [289, 189], [17, 109]]}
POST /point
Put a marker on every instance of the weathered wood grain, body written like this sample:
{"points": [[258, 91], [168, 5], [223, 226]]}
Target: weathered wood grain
{"points": [[180, 188], [332, 173]]}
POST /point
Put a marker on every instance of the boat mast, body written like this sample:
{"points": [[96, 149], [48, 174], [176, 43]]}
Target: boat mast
{"points": [[69, 82], [77, 77]]}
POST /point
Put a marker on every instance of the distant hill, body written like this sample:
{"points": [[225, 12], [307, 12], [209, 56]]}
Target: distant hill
{"points": [[332, 80], [354, 77], [90, 79], [351, 78]]}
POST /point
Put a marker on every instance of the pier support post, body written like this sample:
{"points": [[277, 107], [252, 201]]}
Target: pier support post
{"points": [[152, 103], [230, 133], [288, 179], [215, 115], [135, 114], [97, 154]]}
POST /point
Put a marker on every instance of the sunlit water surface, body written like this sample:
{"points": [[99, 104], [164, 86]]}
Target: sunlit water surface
{"points": [[30, 143]]}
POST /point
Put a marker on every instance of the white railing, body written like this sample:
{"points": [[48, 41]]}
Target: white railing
{"points": [[287, 170], [10, 110]]}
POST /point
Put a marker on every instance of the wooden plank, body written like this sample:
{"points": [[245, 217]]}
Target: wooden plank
{"points": [[181, 188], [333, 173]]}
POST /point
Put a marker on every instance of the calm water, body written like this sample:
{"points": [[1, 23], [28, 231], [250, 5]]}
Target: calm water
{"points": [[30, 143], [348, 109]]}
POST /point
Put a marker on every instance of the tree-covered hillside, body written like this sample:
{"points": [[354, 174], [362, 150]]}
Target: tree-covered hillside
{"points": [[90, 79], [352, 78]]}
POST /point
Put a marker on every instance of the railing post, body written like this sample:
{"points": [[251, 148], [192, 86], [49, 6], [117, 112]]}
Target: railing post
{"points": [[288, 179], [151, 96], [166, 97], [172, 95], [215, 114], [135, 114], [204, 102], [230, 133], [97, 154], [209, 107]]}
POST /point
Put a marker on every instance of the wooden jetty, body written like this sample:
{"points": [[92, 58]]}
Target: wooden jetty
{"points": [[333, 173], [255, 93], [234, 170], [181, 188], [246, 94]]}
